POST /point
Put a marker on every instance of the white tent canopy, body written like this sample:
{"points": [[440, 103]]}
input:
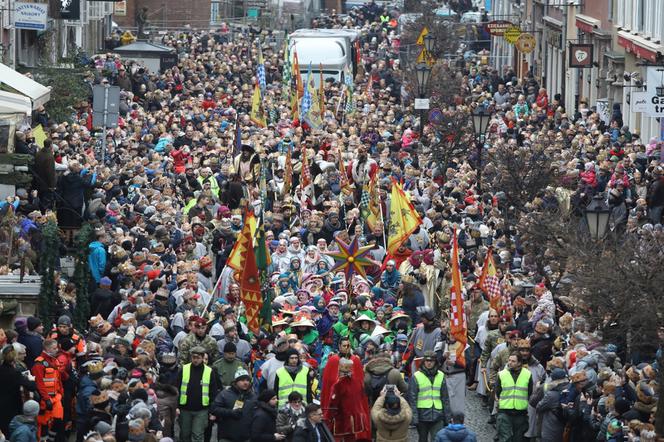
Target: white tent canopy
{"points": [[38, 93], [14, 104]]}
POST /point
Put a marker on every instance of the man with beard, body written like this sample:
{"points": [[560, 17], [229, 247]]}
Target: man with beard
{"points": [[348, 412], [361, 169], [247, 164], [205, 273], [293, 376], [331, 226], [537, 374]]}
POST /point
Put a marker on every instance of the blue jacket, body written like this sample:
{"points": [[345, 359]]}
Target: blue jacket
{"points": [[97, 260], [85, 388], [455, 433], [22, 429]]}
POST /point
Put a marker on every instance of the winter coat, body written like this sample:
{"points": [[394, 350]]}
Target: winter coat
{"points": [[305, 432], [264, 424], [22, 429], [391, 427], [382, 367], [226, 370], [456, 433], [548, 407], [232, 424], [44, 169], [287, 420], [97, 260], [33, 345], [11, 403], [428, 414]]}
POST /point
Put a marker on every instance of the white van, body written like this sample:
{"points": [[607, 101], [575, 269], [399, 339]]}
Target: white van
{"points": [[330, 50]]}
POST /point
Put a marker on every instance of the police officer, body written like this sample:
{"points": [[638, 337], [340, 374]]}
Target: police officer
{"points": [[514, 386], [197, 385], [428, 398]]}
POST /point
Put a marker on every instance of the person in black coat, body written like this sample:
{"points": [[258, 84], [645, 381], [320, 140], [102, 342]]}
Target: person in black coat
{"points": [[232, 408], [11, 400], [31, 337], [264, 425], [71, 188], [306, 429]]}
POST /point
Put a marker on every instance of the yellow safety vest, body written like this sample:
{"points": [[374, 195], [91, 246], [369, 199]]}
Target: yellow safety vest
{"points": [[287, 385], [205, 384], [428, 394], [514, 395]]}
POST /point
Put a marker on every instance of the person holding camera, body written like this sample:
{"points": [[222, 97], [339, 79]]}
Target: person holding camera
{"points": [[391, 415]]}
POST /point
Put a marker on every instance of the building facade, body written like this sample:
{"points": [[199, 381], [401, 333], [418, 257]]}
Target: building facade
{"points": [[626, 35]]}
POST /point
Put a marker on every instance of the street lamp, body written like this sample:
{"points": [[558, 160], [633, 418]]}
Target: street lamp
{"points": [[429, 41], [481, 119], [423, 73], [597, 217]]}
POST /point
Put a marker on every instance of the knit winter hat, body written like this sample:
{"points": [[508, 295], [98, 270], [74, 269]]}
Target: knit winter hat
{"points": [[31, 408]]}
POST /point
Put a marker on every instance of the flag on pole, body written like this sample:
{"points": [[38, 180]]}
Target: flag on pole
{"points": [[458, 325], [489, 281], [263, 258], [287, 73], [307, 184], [234, 260], [307, 98], [299, 85], [404, 219], [295, 109], [237, 142], [288, 172], [321, 91], [260, 71], [313, 116], [250, 287], [257, 112], [370, 202]]}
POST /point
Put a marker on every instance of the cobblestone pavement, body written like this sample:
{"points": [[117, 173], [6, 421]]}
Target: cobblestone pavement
{"points": [[476, 419]]}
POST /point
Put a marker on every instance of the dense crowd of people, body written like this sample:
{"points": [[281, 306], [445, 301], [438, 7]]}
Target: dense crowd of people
{"points": [[169, 352]]}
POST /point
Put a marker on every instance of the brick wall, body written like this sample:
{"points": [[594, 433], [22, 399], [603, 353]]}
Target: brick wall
{"points": [[169, 13]]}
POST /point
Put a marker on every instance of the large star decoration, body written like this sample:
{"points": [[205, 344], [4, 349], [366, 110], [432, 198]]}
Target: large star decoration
{"points": [[351, 258]]}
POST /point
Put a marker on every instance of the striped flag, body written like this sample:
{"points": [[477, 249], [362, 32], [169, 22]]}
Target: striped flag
{"points": [[458, 325], [299, 86], [260, 71], [321, 91]]}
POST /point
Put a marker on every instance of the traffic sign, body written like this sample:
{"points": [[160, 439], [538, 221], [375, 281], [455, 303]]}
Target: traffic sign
{"points": [[498, 27], [512, 34], [525, 43], [423, 33], [424, 57], [436, 116]]}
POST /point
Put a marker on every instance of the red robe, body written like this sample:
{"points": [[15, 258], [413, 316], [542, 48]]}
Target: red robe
{"points": [[344, 402]]}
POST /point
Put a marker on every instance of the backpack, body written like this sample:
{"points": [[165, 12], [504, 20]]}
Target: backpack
{"points": [[377, 384]]}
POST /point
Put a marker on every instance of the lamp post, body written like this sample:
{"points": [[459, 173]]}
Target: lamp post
{"points": [[597, 215], [481, 119], [423, 73]]}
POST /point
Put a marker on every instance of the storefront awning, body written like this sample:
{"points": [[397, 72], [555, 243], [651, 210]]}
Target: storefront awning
{"points": [[639, 46], [587, 24], [14, 104], [37, 93]]}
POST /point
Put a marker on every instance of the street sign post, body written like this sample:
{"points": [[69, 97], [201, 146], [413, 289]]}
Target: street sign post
{"points": [[525, 43], [105, 110], [512, 34]]}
